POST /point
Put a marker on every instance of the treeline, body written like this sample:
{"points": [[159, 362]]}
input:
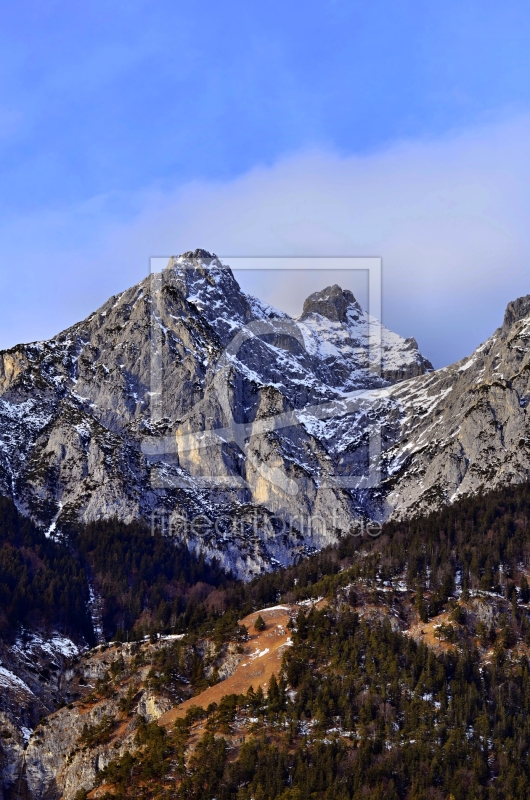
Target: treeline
{"points": [[483, 540], [148, 583], [144, 582], [480, 542]]}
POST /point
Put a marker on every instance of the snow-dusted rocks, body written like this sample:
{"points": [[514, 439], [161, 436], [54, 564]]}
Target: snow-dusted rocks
{"points": [[35, 676], [183, 397], [465, 428], [337, 333]]}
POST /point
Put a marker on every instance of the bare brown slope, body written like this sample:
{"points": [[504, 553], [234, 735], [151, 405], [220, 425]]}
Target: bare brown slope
{"points": [[262, 659]]}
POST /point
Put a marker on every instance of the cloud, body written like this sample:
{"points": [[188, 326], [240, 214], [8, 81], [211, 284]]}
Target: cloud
{"points": [[449, 218]]}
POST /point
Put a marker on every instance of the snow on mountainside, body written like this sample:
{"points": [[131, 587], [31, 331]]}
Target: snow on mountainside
{"points": [[36, 674], [465, 428], [183, 396], [336, 330]]}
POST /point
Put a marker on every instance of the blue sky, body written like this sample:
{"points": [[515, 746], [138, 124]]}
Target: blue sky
{"points": [[125, 127]]}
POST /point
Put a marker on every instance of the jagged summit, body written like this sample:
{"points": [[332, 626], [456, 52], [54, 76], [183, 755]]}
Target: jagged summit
{"points": [[338, 330], [197, 255], [516, 310], [332, 302]]}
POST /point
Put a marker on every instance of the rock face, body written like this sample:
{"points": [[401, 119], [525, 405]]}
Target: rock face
{"points": [[252, 436], [465, 428], [337, 331], [36, 675], [60, 759], [115, 693]]}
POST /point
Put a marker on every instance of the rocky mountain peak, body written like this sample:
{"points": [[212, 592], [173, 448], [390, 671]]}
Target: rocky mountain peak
{"points": [[198, 255], [515, 311], [332, 303]]}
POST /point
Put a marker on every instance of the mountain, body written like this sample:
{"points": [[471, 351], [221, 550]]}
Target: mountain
{"points": [[395, 667], [245, 434]]}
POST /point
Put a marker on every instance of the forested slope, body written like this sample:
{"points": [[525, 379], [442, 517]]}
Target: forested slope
{"points": [[410, 680]]}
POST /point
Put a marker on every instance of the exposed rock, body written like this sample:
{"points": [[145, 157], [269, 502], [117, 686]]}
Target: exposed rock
{"points": [[465, 428], [112, 417], [37, 674], [332, 303], [515, 311], [71, 746]]}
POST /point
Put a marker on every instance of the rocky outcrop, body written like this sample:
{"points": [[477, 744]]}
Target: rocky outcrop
{"points": [[352, 345], [465, 428], [37, 673], [516, 311], [333, 303], [70, 747]]}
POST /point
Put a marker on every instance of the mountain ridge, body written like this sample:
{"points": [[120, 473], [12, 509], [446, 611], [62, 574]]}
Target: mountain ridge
{"points": [[274, 416]]}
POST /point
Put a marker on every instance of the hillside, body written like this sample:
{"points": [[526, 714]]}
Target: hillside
{"points": [[404, 672]]}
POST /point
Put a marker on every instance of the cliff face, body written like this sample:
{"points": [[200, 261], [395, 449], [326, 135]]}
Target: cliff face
{"points": [[69, 747], [465, 428], [118, 689], [251, 436], [37, 674]]}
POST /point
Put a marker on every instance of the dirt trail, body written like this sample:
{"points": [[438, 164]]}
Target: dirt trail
{"points": [[262, 658]]}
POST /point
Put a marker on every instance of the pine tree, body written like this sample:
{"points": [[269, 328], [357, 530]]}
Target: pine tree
{"points": [[259, 624], [525, 591]]}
